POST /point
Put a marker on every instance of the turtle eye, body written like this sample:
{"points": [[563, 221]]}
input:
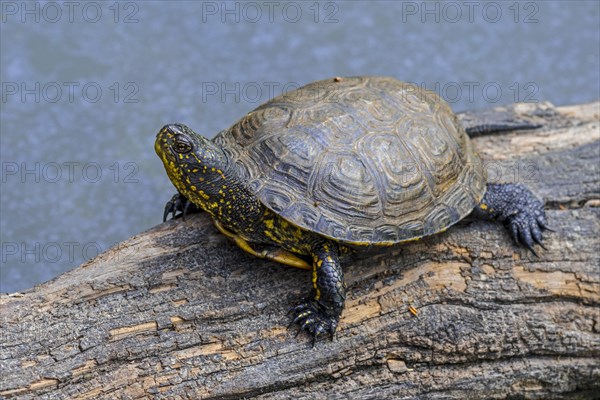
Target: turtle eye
{"points": [[182, 144]]}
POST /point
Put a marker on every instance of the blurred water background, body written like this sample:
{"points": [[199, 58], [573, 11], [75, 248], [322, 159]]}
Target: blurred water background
{"points": [[86, 86]]}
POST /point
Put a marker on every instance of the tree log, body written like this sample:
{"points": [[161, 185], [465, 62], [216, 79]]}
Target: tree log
{"points": [[178, 311]]}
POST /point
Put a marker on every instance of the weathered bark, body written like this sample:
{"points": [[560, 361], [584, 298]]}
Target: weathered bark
{"points": [[180, 312]]}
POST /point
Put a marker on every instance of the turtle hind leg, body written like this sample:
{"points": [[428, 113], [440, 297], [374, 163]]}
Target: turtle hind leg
{"points": [[320, 313], [522, 213]]}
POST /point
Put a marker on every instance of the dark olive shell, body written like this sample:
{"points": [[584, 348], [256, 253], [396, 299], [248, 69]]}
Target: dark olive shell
{"points": [[363, 160]]}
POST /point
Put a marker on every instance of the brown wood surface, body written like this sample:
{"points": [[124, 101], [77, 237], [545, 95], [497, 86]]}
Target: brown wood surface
{"points": [[180, 312]]}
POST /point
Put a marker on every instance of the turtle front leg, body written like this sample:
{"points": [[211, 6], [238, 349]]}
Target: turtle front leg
{"points": [[179, 203], [522, 213], [320, 313]]}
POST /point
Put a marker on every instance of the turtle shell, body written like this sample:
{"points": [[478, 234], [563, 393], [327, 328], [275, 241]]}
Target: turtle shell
{"points": [[361, 160]]}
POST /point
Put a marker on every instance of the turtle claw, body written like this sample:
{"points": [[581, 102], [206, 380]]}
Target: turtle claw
{"points": [[522, 229], [522, 213], [530, 248], [536, 233], [313, 318], [187, 208], [169, 208], [331, 333], [527, 223], [179, 203], [541, 221]]}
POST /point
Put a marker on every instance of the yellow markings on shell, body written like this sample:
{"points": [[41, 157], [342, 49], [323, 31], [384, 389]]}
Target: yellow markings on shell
{"points": [[411, 240], [269, 223], [483, 206]]}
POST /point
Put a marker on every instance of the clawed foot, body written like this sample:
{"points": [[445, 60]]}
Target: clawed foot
{"points": [[522, 213], [526, 226], [179, 203], [312, 317]]}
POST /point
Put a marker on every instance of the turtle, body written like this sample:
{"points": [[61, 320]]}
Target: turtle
{"points": [[337, 166]]}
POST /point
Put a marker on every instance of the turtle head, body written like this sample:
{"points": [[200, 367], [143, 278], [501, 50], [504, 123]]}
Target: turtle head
{"points": [[194, 164]]}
